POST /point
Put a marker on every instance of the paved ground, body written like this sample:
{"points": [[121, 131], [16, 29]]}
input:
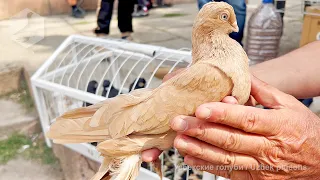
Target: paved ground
{"points": [[172, 32], [14, 117]]}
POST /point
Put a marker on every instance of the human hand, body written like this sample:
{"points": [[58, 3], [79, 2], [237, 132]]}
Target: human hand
{"points": [[284, 140]]}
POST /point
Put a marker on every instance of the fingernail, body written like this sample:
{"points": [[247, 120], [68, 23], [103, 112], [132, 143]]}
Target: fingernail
{"points": [[182, 144], [188, 160], [205, 113], [179, 124], [149, 159]]}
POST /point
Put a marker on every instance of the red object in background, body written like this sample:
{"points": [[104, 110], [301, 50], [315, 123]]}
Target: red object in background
{"points": [[149, 4]]}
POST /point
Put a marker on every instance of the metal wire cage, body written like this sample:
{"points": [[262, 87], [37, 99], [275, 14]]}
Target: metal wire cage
{"points": [[86, 70]]}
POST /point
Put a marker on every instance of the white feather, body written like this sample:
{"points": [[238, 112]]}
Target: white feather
{"points": [[129, 168]]}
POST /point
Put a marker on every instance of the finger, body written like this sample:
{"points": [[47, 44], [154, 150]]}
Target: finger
{"points": [[181, 153], [215, 155], [251, 102], [269, 96], [246, 118], [150, 155], [221, 136], [170, 75], [230, 100]]}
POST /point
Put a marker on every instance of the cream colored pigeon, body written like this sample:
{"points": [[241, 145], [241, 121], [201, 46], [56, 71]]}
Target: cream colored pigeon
{"points": [[128, 124]]}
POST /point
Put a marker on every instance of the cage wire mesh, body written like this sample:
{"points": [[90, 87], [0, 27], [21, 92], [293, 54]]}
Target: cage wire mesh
{"points": [[84, 71]]}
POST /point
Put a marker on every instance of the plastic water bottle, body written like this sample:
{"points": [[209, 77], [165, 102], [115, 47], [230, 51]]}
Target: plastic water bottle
{"points": [[264, 33]]}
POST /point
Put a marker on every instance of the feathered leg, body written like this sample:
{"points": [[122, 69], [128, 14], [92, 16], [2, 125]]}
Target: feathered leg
{"points": [[128, 168], [157, 167], [103, 170]]}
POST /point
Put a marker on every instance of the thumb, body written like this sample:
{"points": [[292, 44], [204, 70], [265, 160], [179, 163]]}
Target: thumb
{"points": [[266, 95]]}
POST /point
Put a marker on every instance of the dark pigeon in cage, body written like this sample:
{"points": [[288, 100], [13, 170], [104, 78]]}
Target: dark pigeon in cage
{"points": [[113, 91], [145, 165], [91, 88], [94, 143], [140, 84]]}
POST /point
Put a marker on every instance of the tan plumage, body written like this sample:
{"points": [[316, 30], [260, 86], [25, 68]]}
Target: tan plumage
{"points": [[128, 124]]}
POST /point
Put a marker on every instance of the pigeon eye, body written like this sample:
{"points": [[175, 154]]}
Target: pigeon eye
{"points": [[224, 16]]}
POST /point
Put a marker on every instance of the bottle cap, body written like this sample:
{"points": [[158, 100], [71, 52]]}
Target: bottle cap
{"points": [[267, 1]]}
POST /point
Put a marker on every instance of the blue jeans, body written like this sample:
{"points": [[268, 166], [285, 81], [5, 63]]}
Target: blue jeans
{"points": [[240, 8]]}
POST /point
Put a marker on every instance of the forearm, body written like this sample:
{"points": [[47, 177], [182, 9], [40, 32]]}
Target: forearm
{"points": [[296, 73]]}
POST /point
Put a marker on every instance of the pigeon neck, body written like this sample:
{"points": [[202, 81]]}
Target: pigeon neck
{"points": [[203, 45]]}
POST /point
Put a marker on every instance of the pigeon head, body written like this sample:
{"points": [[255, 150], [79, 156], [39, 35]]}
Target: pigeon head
{"points": [[216, 16], [141, 83], [106, 83], [92, 86]]}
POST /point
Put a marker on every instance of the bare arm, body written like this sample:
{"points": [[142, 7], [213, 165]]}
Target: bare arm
{"points": [[296, 73]]}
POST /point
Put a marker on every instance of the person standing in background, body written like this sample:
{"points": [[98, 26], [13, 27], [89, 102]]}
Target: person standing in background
{"points": [[240, 8], [140, 9], [280, 5], [104, 11], [164, 3], [77, 11]]}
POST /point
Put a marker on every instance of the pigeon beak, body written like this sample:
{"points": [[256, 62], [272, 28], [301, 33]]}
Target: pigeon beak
{"points": [[235, 26]]}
